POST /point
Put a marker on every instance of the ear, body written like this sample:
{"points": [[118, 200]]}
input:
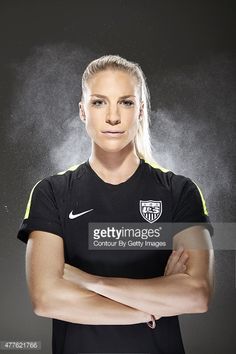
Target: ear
{"points": [[141, 110], [81, 112]]}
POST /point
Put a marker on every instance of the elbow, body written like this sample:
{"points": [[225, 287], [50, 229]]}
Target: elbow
{"points": [[39, 312], [201, 297], [40, 303]]}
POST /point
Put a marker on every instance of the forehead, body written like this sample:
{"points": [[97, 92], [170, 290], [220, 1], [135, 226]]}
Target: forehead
{"points": [[112, 81]]}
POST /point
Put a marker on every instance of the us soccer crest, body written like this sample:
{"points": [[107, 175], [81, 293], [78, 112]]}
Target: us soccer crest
{"points": [[150, 210]]}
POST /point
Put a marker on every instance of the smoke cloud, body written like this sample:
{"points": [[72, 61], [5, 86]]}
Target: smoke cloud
{"points": [[192, 121]]}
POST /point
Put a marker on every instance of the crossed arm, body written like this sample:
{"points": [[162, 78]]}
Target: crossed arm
{"points": [[80, 297], [186, 286], [145, 294]]}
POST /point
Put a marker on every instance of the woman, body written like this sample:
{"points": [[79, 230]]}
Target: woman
{"points": [[116, 300]]}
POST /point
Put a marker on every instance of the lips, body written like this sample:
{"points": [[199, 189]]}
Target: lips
{"points": [[113, 132]]}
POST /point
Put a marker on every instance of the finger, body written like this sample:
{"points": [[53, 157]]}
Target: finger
{"points": [[177, 265], [180, 249], [179, 256], [174, 254], [184, 257], [178, 268], [174, 259], [180, 265], [169, 261]]}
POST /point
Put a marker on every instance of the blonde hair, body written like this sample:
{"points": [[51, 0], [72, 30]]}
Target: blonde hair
{"points": [[142, 139]]}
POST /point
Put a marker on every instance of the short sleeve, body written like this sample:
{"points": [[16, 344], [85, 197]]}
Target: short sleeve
{"points": [[41, 212], [189, 206]]}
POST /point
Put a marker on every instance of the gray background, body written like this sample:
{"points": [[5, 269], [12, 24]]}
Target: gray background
{"points": [[187, 52]]}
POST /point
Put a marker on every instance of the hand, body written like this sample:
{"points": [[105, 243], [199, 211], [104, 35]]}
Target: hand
{"points": [[176, 262]]}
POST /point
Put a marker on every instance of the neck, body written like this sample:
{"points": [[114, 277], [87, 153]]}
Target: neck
{"points": [[114, 167]]}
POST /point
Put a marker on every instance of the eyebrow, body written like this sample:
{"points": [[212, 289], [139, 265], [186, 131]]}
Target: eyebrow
{"points": [[102, 96]]}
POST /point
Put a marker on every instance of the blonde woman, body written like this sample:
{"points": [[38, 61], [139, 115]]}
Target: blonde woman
{"points": [[116, 300]]}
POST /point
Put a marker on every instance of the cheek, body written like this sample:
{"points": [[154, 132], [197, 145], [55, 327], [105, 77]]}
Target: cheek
{"points": [[132, 122], [94, 126], [91, 127]]}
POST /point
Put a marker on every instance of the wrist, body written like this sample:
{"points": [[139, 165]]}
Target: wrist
{"points": [[144, 317]]}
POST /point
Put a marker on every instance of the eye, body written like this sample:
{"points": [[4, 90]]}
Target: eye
{"points": [[128, 103], [96, 103]]}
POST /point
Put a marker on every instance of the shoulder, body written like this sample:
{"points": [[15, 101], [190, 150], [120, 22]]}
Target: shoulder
{"points": [[180, 186], [174, 182], [59, 182]]}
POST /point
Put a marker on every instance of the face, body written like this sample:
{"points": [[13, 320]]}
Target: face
{"points": [[111, 109]]}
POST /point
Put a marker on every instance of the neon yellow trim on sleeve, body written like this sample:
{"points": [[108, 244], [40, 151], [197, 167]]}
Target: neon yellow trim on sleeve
{"points": [[72, 168], [29, 202], [156, 165], [203, 200]]}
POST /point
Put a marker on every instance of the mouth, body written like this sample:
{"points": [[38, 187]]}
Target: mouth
{"points": [[113, 133]]}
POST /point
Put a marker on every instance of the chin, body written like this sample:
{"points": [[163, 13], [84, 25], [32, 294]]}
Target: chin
{"points": [[112, 147]]}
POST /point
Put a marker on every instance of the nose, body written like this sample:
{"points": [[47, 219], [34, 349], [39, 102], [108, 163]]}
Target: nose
{"points": [[113, 117]]}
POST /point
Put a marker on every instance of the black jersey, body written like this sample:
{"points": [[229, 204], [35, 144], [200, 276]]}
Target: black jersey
{"points": [[65, 204]]}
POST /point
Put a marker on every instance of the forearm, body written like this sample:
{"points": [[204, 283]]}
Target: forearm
{"points": [[174, 293], [69, 302], [166, 296]]}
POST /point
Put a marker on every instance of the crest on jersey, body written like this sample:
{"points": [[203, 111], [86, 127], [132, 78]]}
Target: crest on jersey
{"points": [[150, 210]]}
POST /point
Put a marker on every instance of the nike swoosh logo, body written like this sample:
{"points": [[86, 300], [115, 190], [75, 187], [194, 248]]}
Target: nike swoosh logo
{"points": [[73, 216]]}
